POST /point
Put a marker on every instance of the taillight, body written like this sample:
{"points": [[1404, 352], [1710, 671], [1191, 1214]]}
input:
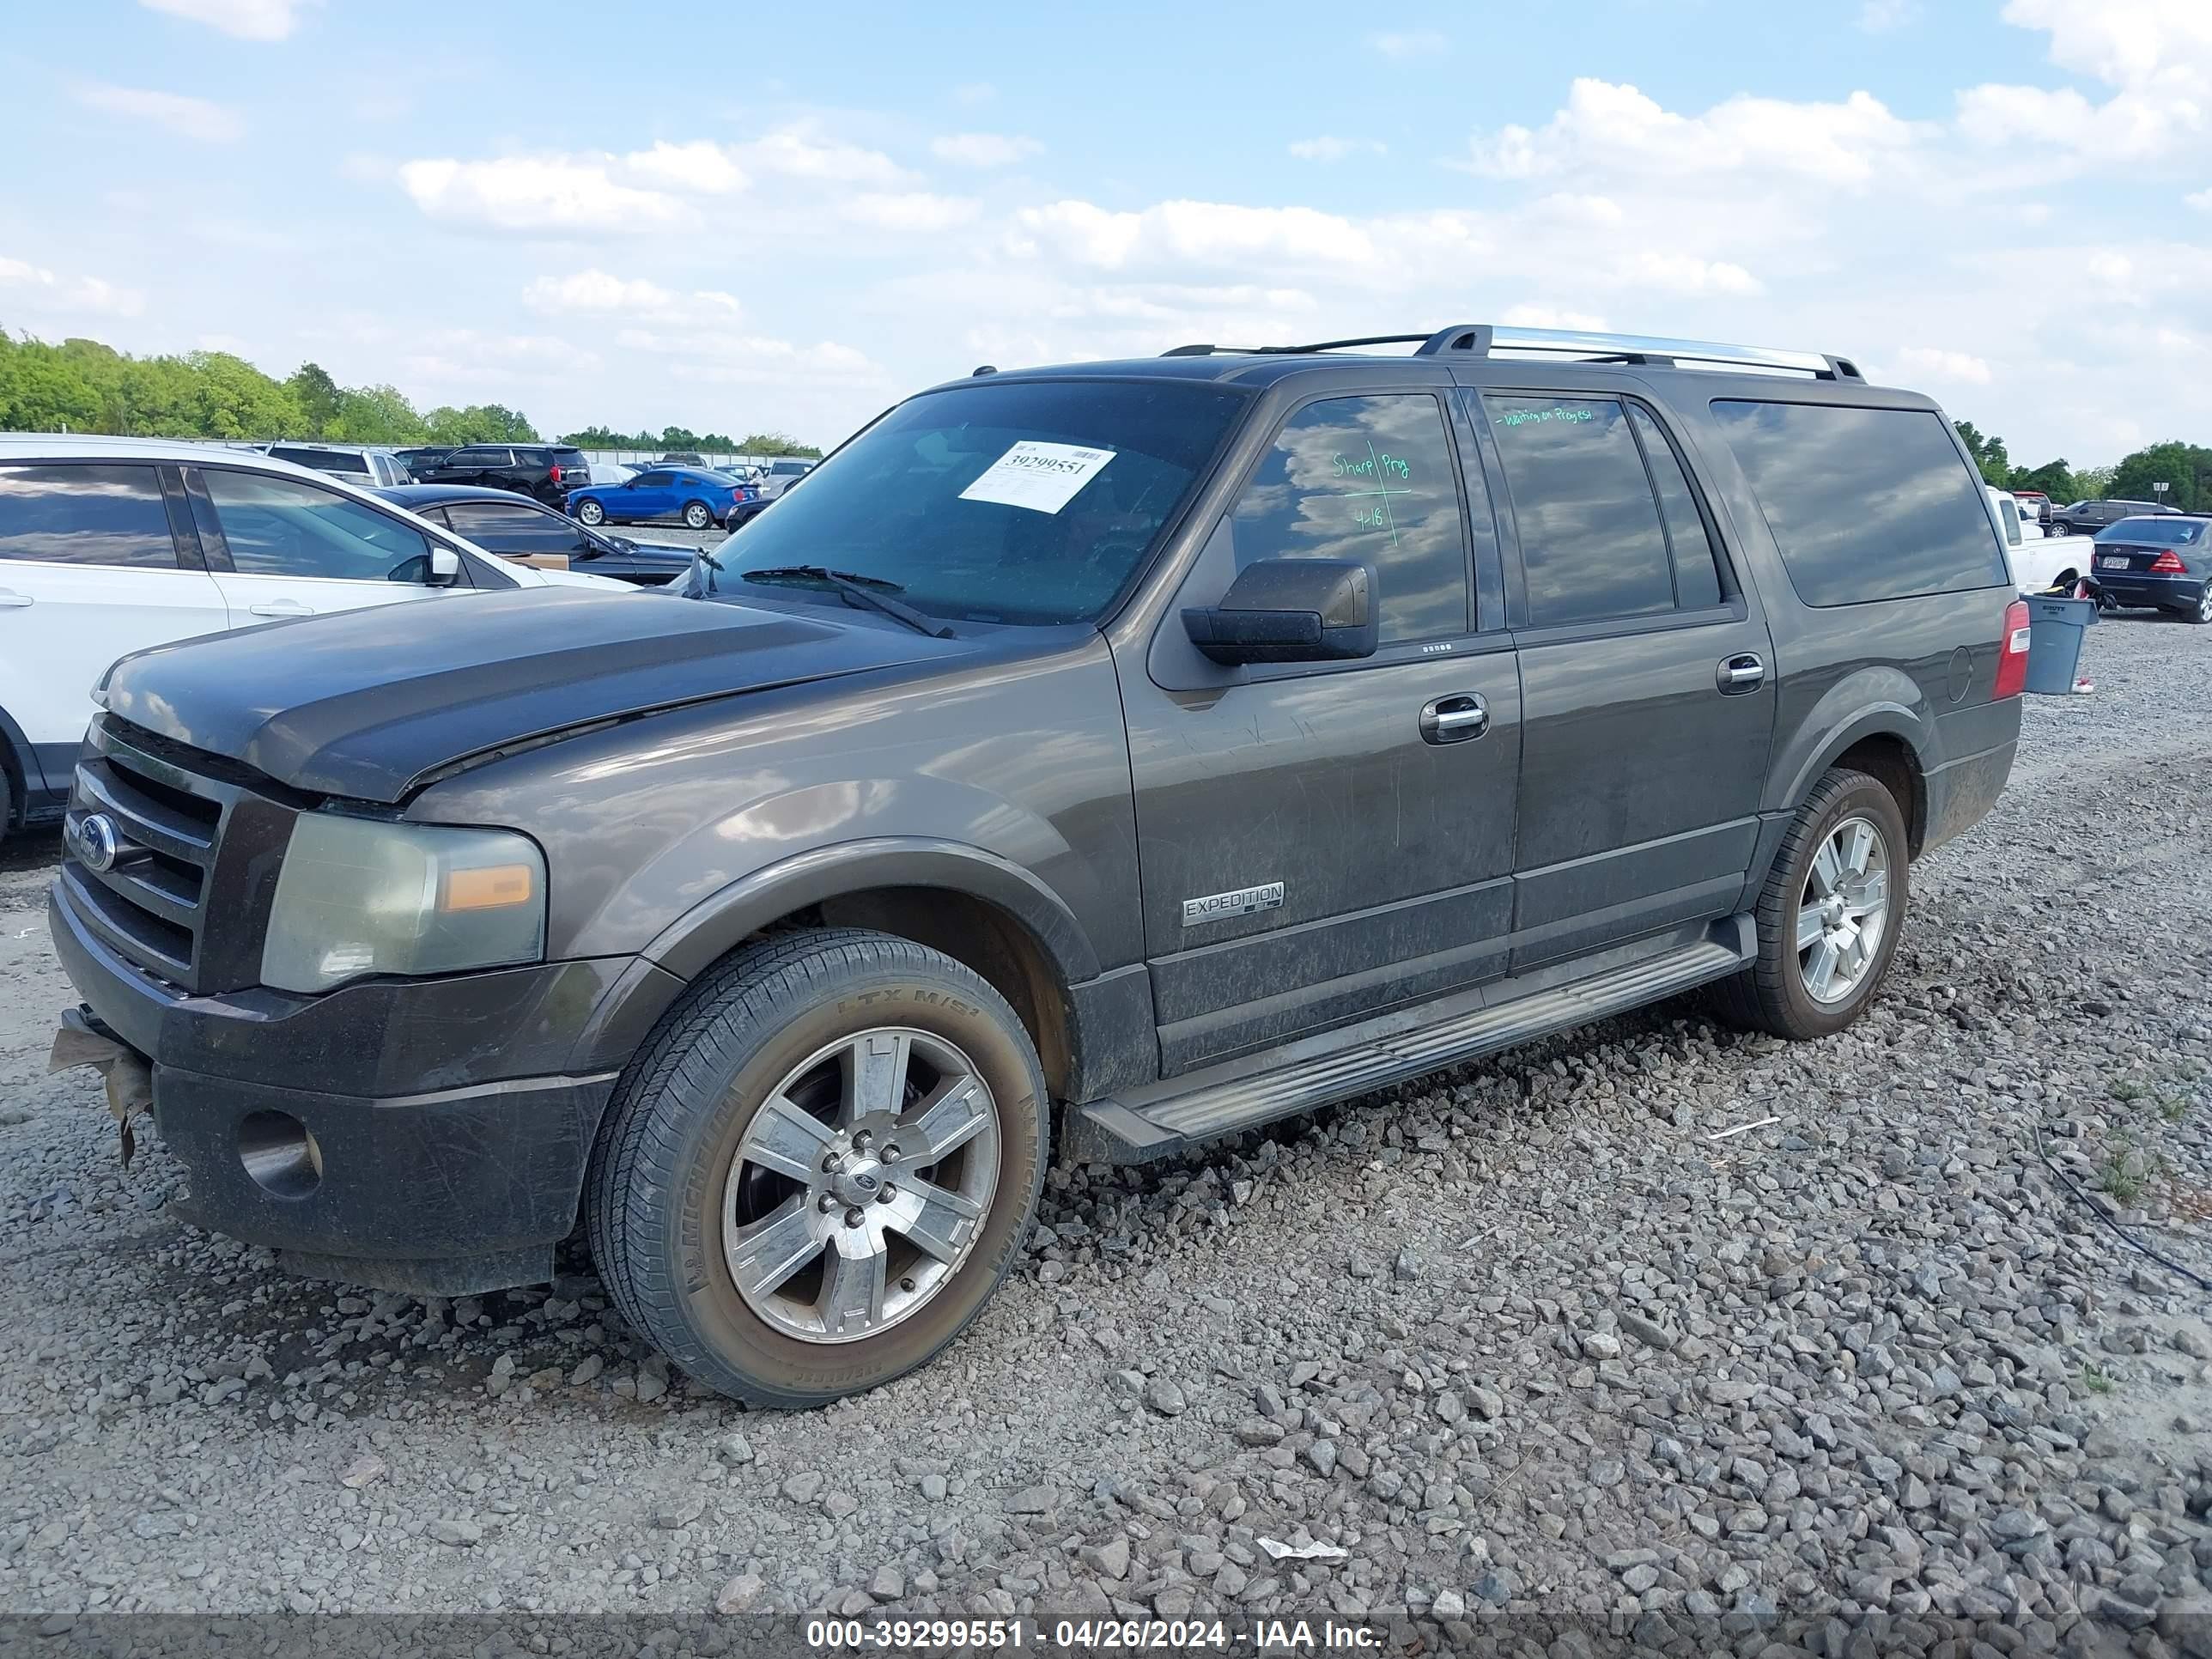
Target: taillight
{"points": [[2012, 656], [556, 472], [2168, 563]]}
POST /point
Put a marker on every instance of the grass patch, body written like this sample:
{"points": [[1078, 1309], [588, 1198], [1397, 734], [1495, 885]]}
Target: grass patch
{"points": [[2094, 1381], [2116, 1179]]}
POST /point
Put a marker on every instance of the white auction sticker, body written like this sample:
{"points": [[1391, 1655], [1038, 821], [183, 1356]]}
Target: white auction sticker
{"points": [[1041, 477]]}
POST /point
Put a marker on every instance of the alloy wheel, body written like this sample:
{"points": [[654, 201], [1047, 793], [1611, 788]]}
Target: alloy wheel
{"points": [[1844, 911], [859, 1189]]}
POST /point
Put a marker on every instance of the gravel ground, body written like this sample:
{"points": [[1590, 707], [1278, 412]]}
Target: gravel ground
{"points": [[1523, 1335]]}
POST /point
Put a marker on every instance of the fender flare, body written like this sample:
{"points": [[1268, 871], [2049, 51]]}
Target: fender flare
{"points": [[1880, 720], [711, 929]]}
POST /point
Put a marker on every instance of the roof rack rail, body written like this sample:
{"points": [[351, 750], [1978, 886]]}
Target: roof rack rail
{"points": [[1485, 339]]}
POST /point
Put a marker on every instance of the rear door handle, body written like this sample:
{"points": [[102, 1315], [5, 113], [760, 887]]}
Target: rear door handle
{"points": [[283, 608], [11, 600], [1740, 674], [1455, 719]]}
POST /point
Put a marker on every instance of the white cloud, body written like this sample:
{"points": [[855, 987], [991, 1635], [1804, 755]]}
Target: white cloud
{"points": [[983, 149], [725, 356], [2124, 129], [248, 20], [1684, 273], [1328, 149], [699, 166], [36, 289], [1935, 363], [793, 153], [1882, 16], [539, 193], [598, 293], [1540, 316], [1199, 232], [189, 118], [2202, 201], [1607, 127], [2156, 55], [915, 209], [1411, 43]]}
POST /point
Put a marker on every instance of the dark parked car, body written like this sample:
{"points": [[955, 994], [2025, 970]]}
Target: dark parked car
{"points": [[546, 472], [681, 458], [501, 523], [1137, 752], [422, 457], [744, 513], [2088, 518], [2159, 560], [698, 497]]}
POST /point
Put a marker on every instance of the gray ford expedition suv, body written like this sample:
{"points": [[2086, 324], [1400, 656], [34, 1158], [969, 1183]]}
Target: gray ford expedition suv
{"points": [[1137, 751]]}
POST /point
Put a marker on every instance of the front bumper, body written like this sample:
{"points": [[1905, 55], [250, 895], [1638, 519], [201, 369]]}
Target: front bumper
{"points": [[442, 1144]]}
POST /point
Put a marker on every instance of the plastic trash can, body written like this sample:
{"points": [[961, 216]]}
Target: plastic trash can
{"points": [[2054, 643]]}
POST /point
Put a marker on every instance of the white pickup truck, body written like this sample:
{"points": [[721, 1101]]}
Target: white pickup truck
{"points": [[2038, 562]]}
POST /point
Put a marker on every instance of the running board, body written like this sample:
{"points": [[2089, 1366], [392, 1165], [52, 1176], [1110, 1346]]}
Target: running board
{"points": [[1166, 1118]]}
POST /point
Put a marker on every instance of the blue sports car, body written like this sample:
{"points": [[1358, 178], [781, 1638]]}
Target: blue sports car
{"points": [[698, 495]]}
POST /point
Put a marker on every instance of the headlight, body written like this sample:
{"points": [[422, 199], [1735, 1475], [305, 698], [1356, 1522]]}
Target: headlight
{"points": [[366, 895]]}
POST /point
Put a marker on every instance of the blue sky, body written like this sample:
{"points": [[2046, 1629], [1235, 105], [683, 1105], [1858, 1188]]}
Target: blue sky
{"points": [[723, 219]]}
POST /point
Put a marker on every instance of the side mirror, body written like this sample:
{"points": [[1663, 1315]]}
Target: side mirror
{"points": [[1289, 610], [444, 567]]}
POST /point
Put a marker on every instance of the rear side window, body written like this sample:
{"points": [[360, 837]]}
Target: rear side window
{"points": [[1592, 545], [103, 515], [506, 529], [1865, 503], [326, 461], [1367, 478]]}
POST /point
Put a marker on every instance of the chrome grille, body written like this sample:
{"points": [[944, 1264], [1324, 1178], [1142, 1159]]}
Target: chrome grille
{"points": [[166, 826]]}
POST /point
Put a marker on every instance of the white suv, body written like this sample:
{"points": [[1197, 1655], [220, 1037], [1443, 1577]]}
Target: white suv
{"points": [[779, 476], [111, 544], [357, 464]]}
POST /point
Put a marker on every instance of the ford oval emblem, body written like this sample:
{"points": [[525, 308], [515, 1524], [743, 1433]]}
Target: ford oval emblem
{"points": [[96, 843]]}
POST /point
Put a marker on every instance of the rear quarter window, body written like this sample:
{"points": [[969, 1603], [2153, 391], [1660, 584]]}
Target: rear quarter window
{"points": [[1864, 503], [78, 514]]}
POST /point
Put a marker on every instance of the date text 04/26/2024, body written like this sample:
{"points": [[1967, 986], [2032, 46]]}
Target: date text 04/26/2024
{"points": [[1092, 1635]]}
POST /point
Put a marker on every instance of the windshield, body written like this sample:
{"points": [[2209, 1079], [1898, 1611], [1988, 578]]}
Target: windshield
{"points": [[2163, 532], [1018, 501]]}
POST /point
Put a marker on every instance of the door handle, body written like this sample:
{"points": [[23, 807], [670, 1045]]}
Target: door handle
{"points": [[1740, 674], [1454, 719], [283, 608], [11, 600]]}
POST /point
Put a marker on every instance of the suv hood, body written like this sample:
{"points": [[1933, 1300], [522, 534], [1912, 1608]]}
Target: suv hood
{"points": [[366, 703]]}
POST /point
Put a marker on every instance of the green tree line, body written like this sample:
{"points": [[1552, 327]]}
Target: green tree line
{"points": [[2185, 468], [82, 386], [682, 437]]}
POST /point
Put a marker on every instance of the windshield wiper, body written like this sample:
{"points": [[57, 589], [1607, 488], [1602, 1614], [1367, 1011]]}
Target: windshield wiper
{"points": [[860, 589]]}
